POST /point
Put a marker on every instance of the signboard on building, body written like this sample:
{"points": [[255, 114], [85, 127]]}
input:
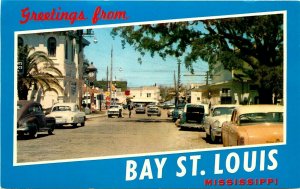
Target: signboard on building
{"points": [[20, 68]]}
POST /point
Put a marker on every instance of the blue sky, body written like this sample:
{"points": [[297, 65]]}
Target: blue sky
{"points": [[126, 67]]}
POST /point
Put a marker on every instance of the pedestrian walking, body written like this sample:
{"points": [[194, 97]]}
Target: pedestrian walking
{"points": [[120, 112], [129, 109]]}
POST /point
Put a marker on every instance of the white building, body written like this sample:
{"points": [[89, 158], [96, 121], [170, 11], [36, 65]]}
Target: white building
{"points": [[145, 94], [64, 49], [196, 97]]}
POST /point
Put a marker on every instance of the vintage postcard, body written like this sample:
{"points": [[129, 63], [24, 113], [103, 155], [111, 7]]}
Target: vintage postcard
{"points": [[148, 94]]}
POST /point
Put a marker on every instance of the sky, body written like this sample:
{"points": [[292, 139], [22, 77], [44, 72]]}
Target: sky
{"points": [[127, 68]]}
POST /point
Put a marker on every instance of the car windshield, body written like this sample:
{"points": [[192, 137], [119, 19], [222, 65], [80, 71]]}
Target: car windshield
{"points": [[269, 117], [61, 108], [114, 106], [222, 111]]}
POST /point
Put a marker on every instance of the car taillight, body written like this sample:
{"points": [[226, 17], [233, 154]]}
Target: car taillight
{"points": [[241, 141]]}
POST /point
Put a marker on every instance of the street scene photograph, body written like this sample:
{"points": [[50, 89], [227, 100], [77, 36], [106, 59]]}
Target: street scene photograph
{"points": [[159, 87]]}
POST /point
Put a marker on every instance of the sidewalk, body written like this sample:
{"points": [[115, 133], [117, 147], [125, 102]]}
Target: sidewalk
{"points": [[96, 114]]}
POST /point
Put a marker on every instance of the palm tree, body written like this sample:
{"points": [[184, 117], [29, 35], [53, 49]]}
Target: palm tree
{"points": [[38, 72]]}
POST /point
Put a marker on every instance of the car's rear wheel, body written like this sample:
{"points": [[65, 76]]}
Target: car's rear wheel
{"points": [[74, 124], [82, 124], [50, 131], [33, 132], [212, 136]]}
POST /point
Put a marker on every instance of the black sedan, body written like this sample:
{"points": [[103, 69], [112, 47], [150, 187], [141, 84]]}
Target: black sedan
{"points": [[31, 119]]}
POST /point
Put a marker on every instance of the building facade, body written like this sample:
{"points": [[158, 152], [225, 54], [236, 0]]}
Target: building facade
{"points": [[145, 94], [227, 87], [65, 49]]}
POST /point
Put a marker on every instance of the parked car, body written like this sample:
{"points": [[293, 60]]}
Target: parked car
{"points": [[168, 105], [114, 110], [213, 122], [254, 124], [177, 112], [31, 119], [67, 113], [192, 116], [153, 110], [140, 109]]}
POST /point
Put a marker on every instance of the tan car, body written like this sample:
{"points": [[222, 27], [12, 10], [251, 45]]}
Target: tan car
{"points": [[254, 124]]}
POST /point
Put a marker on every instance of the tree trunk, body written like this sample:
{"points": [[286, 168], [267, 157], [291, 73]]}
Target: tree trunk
{"points": [[22, 91], [265, 96]]}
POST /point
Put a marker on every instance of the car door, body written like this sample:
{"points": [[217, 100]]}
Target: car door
{"points": [[38, 112], [78, 113], [226, 128], [207, 122], [232, 129]]}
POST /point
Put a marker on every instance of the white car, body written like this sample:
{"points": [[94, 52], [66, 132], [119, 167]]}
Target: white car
{"points": [[114, 110], [67, 113], [213, 122]]}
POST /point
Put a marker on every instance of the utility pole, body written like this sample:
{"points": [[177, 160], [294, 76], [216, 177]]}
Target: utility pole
{"points": [[178, 83], [178, 77], [111, 75], [175, 87], [107, 83]]}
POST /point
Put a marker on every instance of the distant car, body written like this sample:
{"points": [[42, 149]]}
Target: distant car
{"points": [[192, 116], [31, 119], [254, 124], [140, 109], [153, 110], [67, 113], [168, 105], [114, 110], [176, 113], [213, 122]]}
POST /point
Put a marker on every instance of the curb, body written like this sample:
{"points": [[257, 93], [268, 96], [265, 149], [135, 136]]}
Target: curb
{"points": [[90, 116]]}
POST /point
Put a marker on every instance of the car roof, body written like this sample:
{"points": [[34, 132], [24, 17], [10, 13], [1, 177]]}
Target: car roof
{"points": [[225, 105], [65, 104], [25, 105], [259, 108]]}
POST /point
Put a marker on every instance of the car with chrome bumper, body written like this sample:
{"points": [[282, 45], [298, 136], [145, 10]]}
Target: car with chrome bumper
{"points": [[153, 111], [140, 109], [254, 124], [192, 116], [114, 110], [214, 121], [67, 113], [31, 119]]}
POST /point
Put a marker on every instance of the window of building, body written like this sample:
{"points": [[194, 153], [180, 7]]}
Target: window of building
{"points": [[66, 50], [51, 46], [20, 42], [148, 95], [225, 90]]}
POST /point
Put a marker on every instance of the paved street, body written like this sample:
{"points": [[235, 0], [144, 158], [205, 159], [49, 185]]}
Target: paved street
{"points": [[104, 136]]}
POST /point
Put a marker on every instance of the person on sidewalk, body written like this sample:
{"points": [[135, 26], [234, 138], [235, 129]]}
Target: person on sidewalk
{"points": [[120, 112], [130, 107]]}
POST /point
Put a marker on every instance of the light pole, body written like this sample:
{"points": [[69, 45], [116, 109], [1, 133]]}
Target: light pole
{"points": [[111, 74]]}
